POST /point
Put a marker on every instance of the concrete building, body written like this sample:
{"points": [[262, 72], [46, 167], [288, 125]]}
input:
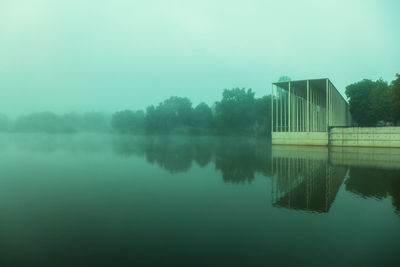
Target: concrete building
{"points": [[303, 111]]}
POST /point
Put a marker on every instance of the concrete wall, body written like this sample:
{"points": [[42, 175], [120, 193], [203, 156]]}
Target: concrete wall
{"points": [[365, 136], [300, 138]]}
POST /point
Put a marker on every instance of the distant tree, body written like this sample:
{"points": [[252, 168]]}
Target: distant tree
{"points": [[50, 122], [172, 113], [151, 121], [235, 112], [284, 78], [127, 121], [4, 123], [396, 97], [95, 122], [262, 116], [39, 122], [202, 116]]}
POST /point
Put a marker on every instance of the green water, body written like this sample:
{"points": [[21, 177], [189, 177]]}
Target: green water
{"points": [[104, 200]]}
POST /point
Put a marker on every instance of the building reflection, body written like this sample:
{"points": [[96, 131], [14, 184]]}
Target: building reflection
{"points": [[309, 178], [303, 179]]}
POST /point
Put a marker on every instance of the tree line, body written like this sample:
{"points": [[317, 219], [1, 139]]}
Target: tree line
{"points": [[238, 112], [49, 122]]}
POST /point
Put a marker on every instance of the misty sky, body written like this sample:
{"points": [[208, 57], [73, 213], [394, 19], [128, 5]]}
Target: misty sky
{"points": [[93, 55]]}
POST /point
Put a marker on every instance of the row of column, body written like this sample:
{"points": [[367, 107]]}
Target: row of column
{"points": [[338, 108], [294, 110]]}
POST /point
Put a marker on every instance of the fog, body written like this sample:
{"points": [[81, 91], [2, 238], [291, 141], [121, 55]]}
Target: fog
{"points": [[84, 56]]}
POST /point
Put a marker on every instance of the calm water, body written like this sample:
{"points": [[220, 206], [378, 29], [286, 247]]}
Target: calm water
{"points": [[98, 200]]}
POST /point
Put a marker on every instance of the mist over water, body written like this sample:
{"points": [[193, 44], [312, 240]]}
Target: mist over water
{"points": [[136, 133], [110, 200], [83, 56]]}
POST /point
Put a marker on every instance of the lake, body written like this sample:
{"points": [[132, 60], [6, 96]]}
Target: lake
{"points": [[109, 200]]}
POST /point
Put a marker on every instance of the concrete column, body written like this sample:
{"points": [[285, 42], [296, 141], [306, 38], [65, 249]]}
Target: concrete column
{"points": [[331, 105], [276, 111], [313, 108], [280, 104], [326, 105], [297, 113], [308, 107], [311, 111], [289, 104], [285, 113], [272, 108]]}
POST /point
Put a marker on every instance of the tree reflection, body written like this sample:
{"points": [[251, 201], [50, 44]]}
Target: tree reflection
{"points": [[238, 159], [374, 182], [170, 154]]}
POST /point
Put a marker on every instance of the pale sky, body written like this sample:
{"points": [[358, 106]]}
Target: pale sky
{"points": [[107, 55]]}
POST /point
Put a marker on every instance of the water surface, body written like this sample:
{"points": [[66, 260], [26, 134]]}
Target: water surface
{"points": [[105, 200]]}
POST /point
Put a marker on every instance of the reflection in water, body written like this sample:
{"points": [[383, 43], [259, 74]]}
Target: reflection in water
{"points": [[377, 183], [309, 178], [108, 200], [373, 172], [237, 158], [303, 179]]}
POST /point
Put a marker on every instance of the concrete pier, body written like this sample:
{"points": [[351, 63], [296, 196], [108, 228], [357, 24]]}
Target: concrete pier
{"points": [[364, 136], [342, 137]]}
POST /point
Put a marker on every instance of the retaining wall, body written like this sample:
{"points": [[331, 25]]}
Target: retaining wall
{"points": [[365, 136], [342, 136]]}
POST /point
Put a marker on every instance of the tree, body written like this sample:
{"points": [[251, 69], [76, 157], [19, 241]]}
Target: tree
{"points": [[262, 116], [235, 112], [396, 97], [172, 113], [358, 94], [128, 121], [380, 100], [202, 116], [370, 101], [4, 123], [284, 78], [39, 122]]}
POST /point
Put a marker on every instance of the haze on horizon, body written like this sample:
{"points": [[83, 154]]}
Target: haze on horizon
{"points": [[71, 55]]}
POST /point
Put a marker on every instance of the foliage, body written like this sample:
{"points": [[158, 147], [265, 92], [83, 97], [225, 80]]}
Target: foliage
{"points": [[370, 101], [127, 121], [284, 78], [396, 97], [235, 112], [380, 102], [239, 112], [172, 113], [4, 123], [50, 122], [202, 116]]}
